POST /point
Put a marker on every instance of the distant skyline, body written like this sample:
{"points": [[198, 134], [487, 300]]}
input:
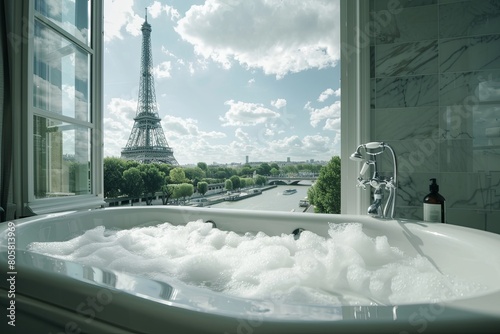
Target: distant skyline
{"points": [[233, 78]]}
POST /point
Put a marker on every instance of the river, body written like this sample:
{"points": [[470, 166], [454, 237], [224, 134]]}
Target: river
{"points": [[270, 200]]}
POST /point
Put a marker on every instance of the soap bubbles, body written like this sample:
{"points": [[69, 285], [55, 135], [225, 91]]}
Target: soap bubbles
{"points": [[347, 267]]}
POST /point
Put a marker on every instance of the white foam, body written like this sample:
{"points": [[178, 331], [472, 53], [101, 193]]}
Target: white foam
{"points": [[348, 267]]}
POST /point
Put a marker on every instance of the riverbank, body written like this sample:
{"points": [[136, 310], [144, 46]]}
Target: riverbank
{"points": [[274, 199], [195, 200]]}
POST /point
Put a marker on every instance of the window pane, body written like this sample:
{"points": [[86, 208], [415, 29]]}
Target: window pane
{"points": [[60, 75], [72, 16], [62, 154]]}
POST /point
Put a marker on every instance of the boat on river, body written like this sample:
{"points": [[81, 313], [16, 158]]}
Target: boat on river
{"points": [[289, 191], [304, 202]]}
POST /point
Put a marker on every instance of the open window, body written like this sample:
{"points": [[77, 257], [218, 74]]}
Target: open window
{"points": [[55, 53]]}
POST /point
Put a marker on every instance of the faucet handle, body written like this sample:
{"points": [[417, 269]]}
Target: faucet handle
{"points": [[361, 183], [375, 183]]}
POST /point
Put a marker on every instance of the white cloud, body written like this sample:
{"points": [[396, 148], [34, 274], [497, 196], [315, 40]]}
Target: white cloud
{"points": [[156, 9], [241, 135], [279, 103], [246, 114], [276, 37], [305, 148], [177, 127], [318, 115], [118, 122], [327, 93], [332, 124], [191, 144], [119, 14], [162, 70]]}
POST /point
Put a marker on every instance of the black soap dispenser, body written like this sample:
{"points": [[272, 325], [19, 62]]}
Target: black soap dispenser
{"points": [[434, 205]]}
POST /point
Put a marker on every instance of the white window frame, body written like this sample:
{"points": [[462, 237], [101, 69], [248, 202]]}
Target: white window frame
{"points": [[24, 157], [355, 101]]}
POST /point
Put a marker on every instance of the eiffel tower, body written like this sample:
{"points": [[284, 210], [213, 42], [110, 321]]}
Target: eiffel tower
{"points": [[147, 142]]}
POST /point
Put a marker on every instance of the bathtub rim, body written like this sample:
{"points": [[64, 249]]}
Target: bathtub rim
{"points": [[464, 307]]}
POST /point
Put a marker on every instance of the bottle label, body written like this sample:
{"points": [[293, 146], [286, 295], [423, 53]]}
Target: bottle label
{"points": [[432, 213]]}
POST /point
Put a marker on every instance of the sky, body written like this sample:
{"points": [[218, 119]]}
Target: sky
{"points": [[233, 78]]}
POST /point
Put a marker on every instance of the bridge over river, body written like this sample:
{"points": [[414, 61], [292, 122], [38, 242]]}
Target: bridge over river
{"points": [[291, 180]]}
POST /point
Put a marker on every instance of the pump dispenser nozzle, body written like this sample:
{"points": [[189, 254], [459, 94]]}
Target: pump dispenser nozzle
{"points": [[433, 187]]}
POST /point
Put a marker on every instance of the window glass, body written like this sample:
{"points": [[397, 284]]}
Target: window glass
{"points": [[72, 16], [62, 161], [60, 75]]}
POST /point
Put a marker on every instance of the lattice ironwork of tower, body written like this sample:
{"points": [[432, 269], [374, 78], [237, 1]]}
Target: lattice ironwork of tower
{"points": [[147, 142]]}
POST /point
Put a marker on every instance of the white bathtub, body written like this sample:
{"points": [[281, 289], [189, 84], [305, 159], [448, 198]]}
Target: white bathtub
{"points": [[56, 296]]}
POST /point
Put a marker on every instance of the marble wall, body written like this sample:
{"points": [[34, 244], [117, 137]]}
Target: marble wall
{"points": [[435, 82]]}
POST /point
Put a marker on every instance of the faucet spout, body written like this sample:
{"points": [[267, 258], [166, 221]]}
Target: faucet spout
{"points": [[376, 207]]}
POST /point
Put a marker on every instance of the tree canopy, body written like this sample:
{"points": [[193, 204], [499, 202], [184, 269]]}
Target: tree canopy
{"points": [[325, 193], [133, 184]]}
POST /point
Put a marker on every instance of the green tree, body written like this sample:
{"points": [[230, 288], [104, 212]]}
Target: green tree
{"points": [[164, 168], [264, 169], [203, 166], [325, 194], [202, 188], [113, 176], [131, 163], [183, 190], [236, 181], [260, 180], [194, 173], [246, 170], [249, 182], [274, 171], [228, 184], [167, 190], [220, 174], [133, 185], [177, 175], [153, 181], [290, 169]]}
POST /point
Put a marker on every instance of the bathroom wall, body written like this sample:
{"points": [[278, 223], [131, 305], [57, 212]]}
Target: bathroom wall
{"points": [[435, 83]]}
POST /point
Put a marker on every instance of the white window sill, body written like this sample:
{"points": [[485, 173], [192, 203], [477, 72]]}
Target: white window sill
{"points": [[50, 205]]}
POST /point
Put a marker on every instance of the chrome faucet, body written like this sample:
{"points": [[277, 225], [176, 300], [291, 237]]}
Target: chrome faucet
{"points": [[390, 184], [376, 207]]}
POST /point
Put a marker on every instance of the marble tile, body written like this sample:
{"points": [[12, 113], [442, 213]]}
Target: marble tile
{"points": [[491, 182], [406, 59], [413, 187], [455, 155], [436, 100], [486, 160], [373, 98], [473, 191], [469, 54], [469, 88], [493, 222], [456, 122], [411, 91], [409, 25], [486, 125], [416, 155], [466, 218], [387, 4], [440, 2], [372, 61], [407, 213], [478, 17], [404, 123]]}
